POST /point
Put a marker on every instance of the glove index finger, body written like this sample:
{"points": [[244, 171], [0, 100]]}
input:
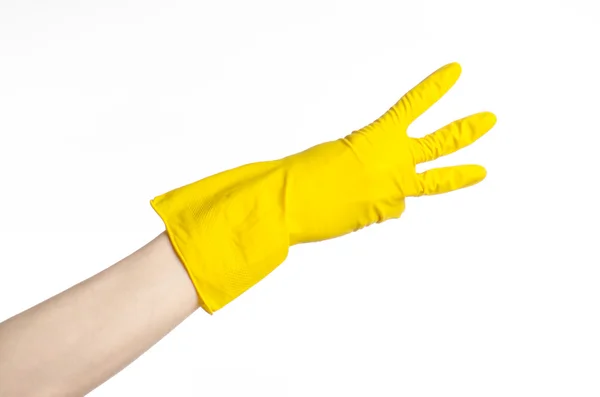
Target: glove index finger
{"points": [[427, 92]]}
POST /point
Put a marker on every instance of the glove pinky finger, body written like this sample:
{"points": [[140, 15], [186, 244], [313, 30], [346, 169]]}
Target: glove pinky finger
{"points": [[448, 179]]}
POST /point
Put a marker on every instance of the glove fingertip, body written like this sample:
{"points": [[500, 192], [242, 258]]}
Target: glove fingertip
{"points": [[471, 175]]}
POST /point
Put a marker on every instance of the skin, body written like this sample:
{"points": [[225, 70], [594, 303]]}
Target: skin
{"points": [[75, 341]]}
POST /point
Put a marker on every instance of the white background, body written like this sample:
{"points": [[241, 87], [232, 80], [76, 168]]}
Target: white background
{"points": [[489, 291]]}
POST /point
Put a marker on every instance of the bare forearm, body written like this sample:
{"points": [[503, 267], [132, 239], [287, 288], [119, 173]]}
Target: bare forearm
{"points": [[81, 337]]}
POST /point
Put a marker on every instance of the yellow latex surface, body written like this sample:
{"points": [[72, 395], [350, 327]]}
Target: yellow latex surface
{"points": [[232, 229]]}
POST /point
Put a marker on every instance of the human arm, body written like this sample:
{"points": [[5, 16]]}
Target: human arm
{"points": [[232, 229], [76, 340]]}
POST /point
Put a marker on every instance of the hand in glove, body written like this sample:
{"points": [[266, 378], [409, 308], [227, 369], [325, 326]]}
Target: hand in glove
{"points": [[233, 228]]}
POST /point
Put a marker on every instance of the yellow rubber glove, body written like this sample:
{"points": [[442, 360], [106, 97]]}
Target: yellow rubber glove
{"points": [[232, 229]]}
